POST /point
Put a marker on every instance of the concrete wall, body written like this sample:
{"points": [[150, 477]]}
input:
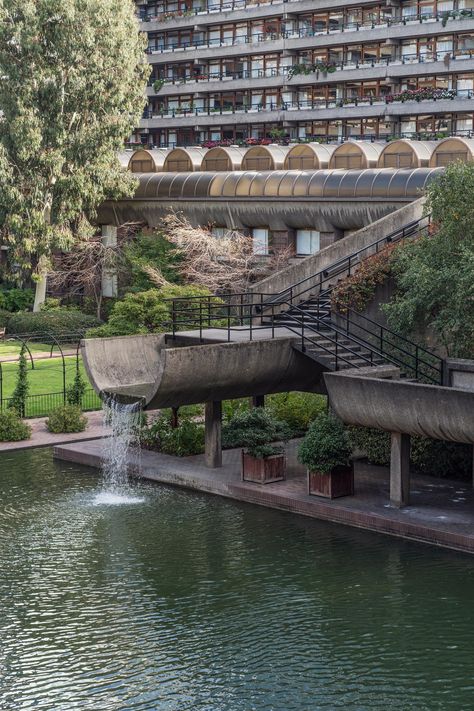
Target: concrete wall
{"points": [[311, 265]]}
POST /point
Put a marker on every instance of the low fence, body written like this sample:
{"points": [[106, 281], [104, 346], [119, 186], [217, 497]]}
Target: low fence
{"points": [[41, 405]]}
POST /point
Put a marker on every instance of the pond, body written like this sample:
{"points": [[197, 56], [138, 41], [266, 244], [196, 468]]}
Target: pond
{"points": [[187, 601]]}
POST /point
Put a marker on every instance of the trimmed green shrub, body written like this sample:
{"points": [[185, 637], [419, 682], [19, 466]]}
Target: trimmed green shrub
{"points": [[56, 323], [182, 441], [18, 398], [77, 390], [66, 418], [16, 299], [254, 430], [145, 312], [234, 407], [297, 409], [427, 456], [12, 428], [325, 446], [5, 316]]}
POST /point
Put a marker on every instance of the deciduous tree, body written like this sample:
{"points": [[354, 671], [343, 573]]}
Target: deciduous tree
{"points": [[73, 74]]}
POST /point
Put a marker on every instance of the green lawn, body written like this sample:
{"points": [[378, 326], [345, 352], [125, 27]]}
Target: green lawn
{"points": [[46, 378], [10, 348]]}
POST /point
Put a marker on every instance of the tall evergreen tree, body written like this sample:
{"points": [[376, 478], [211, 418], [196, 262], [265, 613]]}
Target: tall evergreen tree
{"points": [[18, 399], [73, 74]]}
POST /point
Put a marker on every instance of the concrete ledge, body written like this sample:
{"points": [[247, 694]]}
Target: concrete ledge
{"points": [[436, 517]]}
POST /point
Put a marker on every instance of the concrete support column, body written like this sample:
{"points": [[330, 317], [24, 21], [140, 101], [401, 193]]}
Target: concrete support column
{"points": [[257, 401], [473, 466], [400, 470], [213, 432], [109, 277]]}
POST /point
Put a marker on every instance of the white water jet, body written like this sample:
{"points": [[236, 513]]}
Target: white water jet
{"points": [[123, 419]]}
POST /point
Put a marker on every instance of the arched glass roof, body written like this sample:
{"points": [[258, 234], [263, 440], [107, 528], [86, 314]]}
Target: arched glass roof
{"points": [[143, 159], [452, 149], [308, 156], [376, 183], [366, 152], [184, 159], [272, 154], [228, 156], [404, 153]]}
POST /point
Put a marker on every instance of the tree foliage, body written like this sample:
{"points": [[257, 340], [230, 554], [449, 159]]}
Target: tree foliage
{"points": [[18, 398], [73, 76], [435, 274]]}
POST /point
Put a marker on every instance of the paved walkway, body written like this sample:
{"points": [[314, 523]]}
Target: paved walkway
{"points": [[441, 513], [42, 438]]}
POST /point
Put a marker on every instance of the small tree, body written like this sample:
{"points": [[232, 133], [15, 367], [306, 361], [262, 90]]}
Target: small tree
{"points": [[77, 390], [18, 399]]}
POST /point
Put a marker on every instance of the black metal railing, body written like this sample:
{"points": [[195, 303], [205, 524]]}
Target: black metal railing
{"points": [[367, 339]]}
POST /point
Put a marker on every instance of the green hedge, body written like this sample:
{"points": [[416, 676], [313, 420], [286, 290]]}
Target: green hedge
{"points": [[54, 322], [66, 418], [428, 456], [182, 441], [5, 317], [16, 299], [12, 428]]}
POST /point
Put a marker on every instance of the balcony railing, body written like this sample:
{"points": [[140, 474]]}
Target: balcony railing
{"points": [[229, 5], [303, 32], [348, 64], [315, 104]]}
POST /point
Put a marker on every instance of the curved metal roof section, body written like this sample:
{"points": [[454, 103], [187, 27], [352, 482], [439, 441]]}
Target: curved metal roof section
{"points": [[156, 156], [233, 156], [124, 158], [371, 183], [193, 157], [274, 152], [456, 145], [368, 150], [420, 150], [318, 153]]}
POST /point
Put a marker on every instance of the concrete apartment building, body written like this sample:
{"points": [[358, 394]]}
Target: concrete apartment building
{"points": [[231, 70]]}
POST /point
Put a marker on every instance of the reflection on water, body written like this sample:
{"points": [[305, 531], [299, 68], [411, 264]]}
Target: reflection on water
{"points": [[188, 602]]}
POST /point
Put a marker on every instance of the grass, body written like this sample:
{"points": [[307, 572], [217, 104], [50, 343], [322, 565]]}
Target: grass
{"points": [[12, 348], [46, 379]]}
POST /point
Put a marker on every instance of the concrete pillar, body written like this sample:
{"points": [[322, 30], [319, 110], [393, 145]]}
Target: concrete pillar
{"points": [[109, 277], [400, 470], [473, 466], [257, 401], [213, 431]]}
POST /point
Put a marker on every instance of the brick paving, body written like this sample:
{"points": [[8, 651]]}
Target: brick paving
{"points": [[441, 511], [42, 438]]}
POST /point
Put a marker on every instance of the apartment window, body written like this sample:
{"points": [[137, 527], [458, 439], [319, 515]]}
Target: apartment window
{"points": [[260, 240], [307, 242]]}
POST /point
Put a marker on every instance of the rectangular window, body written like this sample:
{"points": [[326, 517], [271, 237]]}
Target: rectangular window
{"points": [[307, 242], [260, 240]]}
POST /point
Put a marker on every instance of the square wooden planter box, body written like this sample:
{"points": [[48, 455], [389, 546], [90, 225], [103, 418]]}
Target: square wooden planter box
{"points": [[263, 471], [340, 482]]}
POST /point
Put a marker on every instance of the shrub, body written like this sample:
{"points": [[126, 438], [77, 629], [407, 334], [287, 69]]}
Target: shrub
{"points": [[5, 316], [326, 445], [66, 418], [12, 428], [255, 429], [16, 299], [297, 409], [77, 390], [56, 323], [182, 441], [151, 251], [18, 398], [145, 312], [427, 456]]}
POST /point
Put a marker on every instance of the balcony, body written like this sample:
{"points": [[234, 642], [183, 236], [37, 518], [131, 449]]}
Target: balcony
{"points": [[438, 101], [409, 65]]}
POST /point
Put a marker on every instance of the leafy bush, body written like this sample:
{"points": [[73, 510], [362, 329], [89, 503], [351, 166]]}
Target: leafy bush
{"points": [[66, 418], [12, 428], [5, 316], [326, 445], [255, 429], [16, 299], [234, 407], [297, 409], [145, 312], [427, 456], [56, 323], [151, 251], [182, 441], [357, 290]]}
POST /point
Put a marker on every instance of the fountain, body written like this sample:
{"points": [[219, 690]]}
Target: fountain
{"points": [[123, 418]]}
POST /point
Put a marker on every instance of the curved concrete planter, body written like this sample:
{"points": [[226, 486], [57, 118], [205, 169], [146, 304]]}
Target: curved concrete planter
{"points": [[263, 471], [340, 482]]}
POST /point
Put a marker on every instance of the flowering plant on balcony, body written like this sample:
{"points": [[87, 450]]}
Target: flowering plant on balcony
{"points": [[157, 84], [424, 94]]}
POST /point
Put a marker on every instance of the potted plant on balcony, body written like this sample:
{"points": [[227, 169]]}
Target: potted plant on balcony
{"points": [[326, 451], [256, 431]]}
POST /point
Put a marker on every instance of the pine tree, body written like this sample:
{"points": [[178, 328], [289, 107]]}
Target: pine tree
{"points": [[18, 399], [77, 390]]}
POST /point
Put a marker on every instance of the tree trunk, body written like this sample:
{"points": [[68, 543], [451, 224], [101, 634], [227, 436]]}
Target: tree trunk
{"points": [[40, 292]]}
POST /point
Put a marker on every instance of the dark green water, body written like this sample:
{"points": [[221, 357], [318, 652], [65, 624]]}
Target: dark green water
{"points": [[192, 602]]}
